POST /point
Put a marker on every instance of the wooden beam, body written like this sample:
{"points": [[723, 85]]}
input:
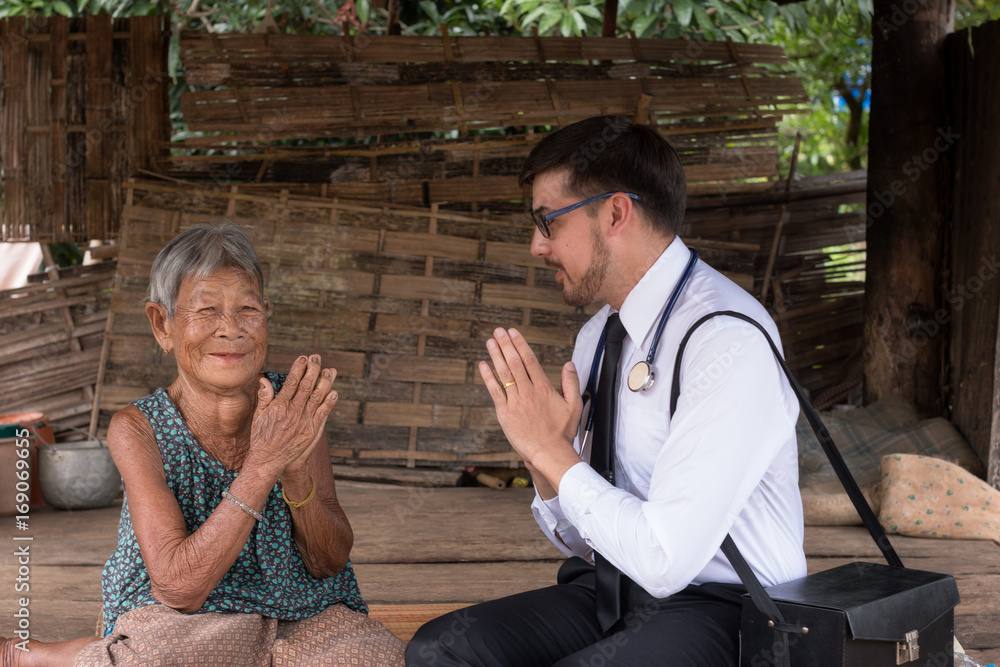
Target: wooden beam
{"points": [[906, 222]]}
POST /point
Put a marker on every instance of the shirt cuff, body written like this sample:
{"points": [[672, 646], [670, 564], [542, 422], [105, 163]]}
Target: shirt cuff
{"points": [[579, 489], [551, 513]]}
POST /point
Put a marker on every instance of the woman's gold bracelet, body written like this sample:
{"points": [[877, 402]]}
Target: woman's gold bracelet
{"points": [[295, 505]]}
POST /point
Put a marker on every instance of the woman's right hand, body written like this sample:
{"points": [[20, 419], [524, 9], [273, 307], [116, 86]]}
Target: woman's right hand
{"points": [[286, 428]]}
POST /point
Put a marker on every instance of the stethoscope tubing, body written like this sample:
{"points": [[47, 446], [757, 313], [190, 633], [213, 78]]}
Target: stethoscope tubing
{"points": [[671, 302]]}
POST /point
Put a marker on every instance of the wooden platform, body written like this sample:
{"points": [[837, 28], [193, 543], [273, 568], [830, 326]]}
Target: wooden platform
{"points": [[446, 546]]}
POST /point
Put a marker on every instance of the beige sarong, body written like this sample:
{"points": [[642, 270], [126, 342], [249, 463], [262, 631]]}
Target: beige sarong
{"points": [[157, 636]]}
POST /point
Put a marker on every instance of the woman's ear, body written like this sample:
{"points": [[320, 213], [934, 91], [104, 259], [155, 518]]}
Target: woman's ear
{"points": [[267, 307], [162, 326]]}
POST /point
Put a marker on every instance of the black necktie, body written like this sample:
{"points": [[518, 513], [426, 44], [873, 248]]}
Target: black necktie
{"points": [[602, 459]]}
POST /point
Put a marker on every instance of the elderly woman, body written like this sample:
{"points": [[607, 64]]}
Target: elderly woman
{"points": [[232, 546]]}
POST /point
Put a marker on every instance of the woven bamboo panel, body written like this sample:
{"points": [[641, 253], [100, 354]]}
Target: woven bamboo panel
{"points": [[51, 334], [400, 300], [818, 307], [422, 120], [83, 102]]}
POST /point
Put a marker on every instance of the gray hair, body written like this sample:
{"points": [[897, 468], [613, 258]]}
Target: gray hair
{"points": [[198, 252]]}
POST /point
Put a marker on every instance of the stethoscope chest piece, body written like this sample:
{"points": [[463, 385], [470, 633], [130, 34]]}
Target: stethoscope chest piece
{"points": [[641, 377]]}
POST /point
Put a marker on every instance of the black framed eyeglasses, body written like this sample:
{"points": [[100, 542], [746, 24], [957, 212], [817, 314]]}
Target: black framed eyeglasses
{"points": [[542, 220]]}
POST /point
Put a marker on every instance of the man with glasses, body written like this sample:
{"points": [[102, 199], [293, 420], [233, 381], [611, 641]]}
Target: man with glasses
{"points": [[638, 500]]}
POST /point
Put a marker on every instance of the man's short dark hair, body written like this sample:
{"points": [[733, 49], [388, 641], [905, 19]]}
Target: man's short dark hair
{"points": [[612, 154]]}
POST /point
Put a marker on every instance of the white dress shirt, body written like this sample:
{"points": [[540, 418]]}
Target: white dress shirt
{"points": [[726, 463]]}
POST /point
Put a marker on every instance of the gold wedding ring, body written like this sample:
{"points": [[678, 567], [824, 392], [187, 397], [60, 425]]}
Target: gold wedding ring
{"points": [[510, 384]]}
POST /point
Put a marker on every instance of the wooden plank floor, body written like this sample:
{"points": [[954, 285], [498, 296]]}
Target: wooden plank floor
{"points": [[446, 545]]}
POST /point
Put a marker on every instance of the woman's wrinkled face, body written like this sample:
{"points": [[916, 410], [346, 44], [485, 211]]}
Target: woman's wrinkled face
{"points": [[219, 329]]}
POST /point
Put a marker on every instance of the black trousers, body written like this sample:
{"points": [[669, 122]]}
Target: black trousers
{"points": [[557, 626]]}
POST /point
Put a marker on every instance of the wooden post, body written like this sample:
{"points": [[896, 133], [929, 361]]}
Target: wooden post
{"points": [[394, 27], [610, 18], [973, 296], [907, 168]]}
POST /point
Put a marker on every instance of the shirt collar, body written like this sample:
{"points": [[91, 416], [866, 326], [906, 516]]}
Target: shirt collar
{"points": [[645, 303]]}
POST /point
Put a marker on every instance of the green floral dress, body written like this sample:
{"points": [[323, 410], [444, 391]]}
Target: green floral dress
{"points": [[268, 577]]}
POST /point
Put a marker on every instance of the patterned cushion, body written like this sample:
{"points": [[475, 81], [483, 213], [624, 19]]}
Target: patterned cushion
{"points": [[928, 497]]}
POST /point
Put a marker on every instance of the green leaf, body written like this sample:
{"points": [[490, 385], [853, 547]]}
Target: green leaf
{"points": [[535, 14], [431, 10], [641, 24], [591, 11], [671, 31], [548, 22], [581, 23], [741, 19], [683, 10], [770, 11], [62, 8], [705, 21], [566, 25]]}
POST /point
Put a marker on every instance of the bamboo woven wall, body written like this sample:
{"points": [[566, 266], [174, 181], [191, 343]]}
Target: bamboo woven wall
{"points": [[421, 120], [818, 306], [399, 300], [51, 335], [82, 103]]}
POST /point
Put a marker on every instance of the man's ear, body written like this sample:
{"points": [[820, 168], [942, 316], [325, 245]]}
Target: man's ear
{"points": [[267, 307], [622, 213], [162, 325]]}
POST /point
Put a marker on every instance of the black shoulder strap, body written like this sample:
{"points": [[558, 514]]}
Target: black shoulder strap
{"points": [[760, 598], [832, 453]]}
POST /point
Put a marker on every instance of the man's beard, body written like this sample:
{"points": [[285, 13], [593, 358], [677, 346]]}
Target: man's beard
{"points": [[584, 291]]}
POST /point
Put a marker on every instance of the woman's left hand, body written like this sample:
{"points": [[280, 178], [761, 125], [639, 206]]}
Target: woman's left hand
{"points": [[286, 428]]}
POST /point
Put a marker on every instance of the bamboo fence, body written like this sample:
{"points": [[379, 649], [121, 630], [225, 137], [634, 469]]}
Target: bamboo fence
{"points": [[448, 120], [817, 303], [82, 103], [400, 300], [326, 146], [51, 335]]}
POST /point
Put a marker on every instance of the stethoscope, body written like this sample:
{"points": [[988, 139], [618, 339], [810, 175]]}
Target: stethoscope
{"points": [[641, 377]]}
